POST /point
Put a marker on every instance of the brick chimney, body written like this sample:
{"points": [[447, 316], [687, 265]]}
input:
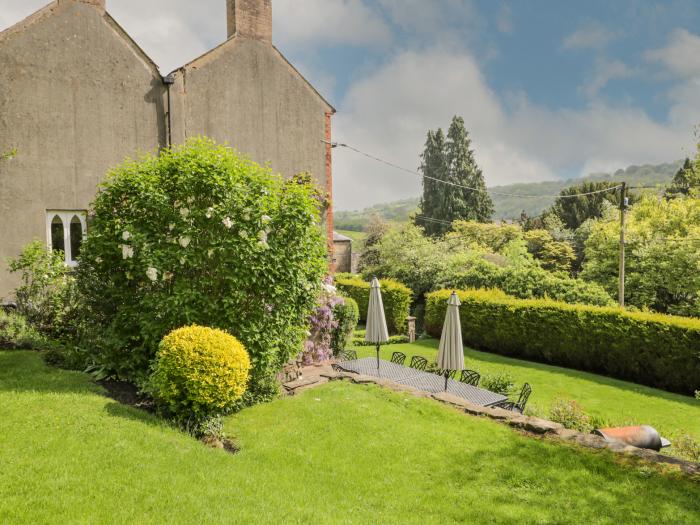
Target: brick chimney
{"points": [[250, 19]]}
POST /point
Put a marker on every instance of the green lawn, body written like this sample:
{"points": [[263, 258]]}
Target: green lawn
{"points": [[358, 238], [618, 402], [342, 453]]}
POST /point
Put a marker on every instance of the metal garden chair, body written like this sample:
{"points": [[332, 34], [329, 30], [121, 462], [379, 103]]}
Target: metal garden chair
{"points": [[449, 373], [398, 358], [519, 405], [470, 377], [419, 363], [347, 355]]}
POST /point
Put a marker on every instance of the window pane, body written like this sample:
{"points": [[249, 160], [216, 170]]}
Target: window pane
{"points": [[57, 234], [76, 237]]}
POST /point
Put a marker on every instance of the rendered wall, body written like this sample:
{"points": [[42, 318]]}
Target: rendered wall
{"points": [[76, 98]]}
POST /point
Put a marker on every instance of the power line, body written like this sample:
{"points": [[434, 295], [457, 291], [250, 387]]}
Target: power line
{"points": [[502, 194]]}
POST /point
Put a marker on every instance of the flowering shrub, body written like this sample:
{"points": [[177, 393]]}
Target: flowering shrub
{"points": [[199, 372], [202, 235], [317, 347]]}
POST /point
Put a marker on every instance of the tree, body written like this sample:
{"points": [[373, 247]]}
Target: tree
{"points": [[685, 180], [452, 161], [662, 256], [376, 229], [573, 211]]}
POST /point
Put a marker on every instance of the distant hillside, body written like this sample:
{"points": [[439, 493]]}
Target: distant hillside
{"points": [[511, 207]]}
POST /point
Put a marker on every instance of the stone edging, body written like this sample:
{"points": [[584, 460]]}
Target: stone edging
{"points": [[532, 425]]}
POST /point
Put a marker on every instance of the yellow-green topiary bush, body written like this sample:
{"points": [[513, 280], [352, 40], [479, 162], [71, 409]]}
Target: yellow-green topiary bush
{"points": [[199, 372]]}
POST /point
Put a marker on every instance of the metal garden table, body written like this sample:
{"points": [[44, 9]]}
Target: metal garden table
{"points": [[421, 380]]}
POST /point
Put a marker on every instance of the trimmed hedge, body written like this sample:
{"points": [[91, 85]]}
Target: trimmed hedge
{"points": [[396, 297], [658, 350]]}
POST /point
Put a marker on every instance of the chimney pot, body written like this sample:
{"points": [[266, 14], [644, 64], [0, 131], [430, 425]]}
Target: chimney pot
{"points": [[250, 19]]}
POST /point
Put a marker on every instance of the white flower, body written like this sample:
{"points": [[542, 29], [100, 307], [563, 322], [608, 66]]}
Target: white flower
{"points": [[127, 251], [190, 200], [126, 236], [266, 218], [167, 276], [209, 213], [246, 216], [329, 288], [263, 245], [171, 226], [152, 273], [227, 222], [184, 212], [182, 260], [184, 241], [262, 235], [243, 233], [210, 253], [176, 204], [98, 260]]}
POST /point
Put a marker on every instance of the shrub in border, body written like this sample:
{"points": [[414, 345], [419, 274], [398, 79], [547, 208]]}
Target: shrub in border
{"points": [[199, 372], [347, 314], [396, 297], [658, 350]]}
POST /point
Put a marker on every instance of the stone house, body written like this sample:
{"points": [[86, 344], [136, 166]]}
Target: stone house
{"points": [[78, 96], [342, 252]]}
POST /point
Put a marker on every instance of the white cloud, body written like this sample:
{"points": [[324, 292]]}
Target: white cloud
{"points": [[430, 17], [504, 22], [605, 71], [590, 35], [328, 22], [388, 113], [682, 54]]}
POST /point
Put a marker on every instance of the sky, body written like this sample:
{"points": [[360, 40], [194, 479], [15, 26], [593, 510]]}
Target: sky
{"points": [[547, 89]]}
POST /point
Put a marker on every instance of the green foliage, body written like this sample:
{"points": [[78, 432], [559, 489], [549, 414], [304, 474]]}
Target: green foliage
{"points": [[393, 340], [570, 414], [7, 155], [396, 298], [555, 256], [662, 255], [347, 314], [525, 282], [501, 383], [574, 211], [651, 349], [451, 160], [376, 230], [198, 373], [686, 180], [42, 297], [686, 446], [201, 235], [16, 332]]}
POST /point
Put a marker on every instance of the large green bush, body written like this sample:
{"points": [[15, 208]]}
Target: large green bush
{"points": [[201, 235], [396, 297], [652, 349]]}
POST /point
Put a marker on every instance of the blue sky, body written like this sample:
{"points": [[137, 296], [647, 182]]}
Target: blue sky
{"points": [[548, 89]]}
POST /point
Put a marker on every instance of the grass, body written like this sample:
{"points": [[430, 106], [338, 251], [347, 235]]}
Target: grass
{"points": [[358, 238], [341, 453], [617, 402]]}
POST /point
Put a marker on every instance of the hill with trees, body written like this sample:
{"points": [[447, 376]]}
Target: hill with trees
{"points": [[505, 207]]}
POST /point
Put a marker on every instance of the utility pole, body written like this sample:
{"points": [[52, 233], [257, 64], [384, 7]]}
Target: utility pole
{"points": [[621, 277]]}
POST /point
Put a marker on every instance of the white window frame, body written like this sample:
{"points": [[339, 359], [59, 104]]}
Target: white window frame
{"points": [[66, 217]]}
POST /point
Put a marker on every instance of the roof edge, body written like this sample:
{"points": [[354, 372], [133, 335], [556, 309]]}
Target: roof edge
{"points": [[29, 20]]}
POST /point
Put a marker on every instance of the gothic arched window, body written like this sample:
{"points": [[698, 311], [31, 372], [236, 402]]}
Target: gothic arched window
{"points": [[65, 231]]}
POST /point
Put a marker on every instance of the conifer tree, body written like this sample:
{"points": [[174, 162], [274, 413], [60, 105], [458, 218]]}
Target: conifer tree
{"points": [[685, 180], [451, 159]]}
